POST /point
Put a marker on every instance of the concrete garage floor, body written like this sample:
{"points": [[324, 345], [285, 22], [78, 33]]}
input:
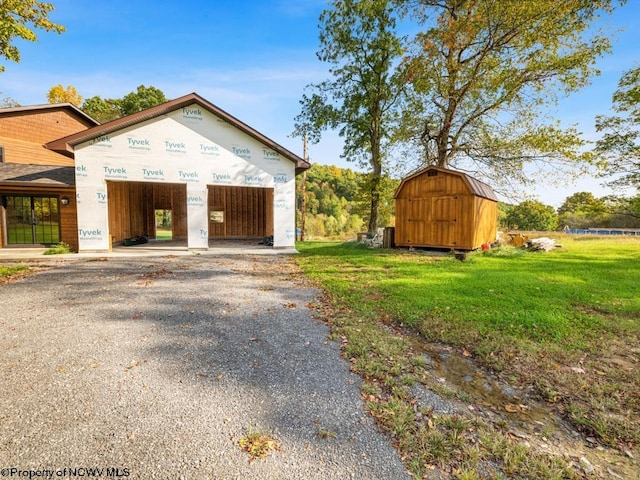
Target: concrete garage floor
{"points": [[154, 248]]}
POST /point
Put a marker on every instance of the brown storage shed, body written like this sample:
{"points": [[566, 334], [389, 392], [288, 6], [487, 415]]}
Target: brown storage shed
{"points": [[441, 208]]}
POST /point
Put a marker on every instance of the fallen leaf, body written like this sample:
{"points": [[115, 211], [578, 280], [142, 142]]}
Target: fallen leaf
{"points": [[466, 353]]}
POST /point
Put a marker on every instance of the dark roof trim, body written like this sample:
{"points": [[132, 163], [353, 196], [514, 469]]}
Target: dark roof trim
{"points": [[50, 106], [478, 188], [65, 145]]}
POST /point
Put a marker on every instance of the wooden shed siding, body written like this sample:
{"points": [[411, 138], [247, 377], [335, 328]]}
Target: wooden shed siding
{"points": [[425, 186], [248, 212], [442, 211]]}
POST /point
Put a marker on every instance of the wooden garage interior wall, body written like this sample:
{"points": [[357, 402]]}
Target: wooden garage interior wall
{"points": [[247, 212], [68, 213], [132, 208], [441, 211]]}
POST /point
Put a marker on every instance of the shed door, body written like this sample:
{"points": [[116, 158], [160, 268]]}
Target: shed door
{"points": [[444, 220]]}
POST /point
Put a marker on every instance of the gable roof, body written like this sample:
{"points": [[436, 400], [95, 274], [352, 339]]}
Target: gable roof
{"points": [[65, 145], [50, 106], [478, 188]]}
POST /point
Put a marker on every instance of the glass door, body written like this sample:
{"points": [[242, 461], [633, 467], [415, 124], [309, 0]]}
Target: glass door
{"points": [[32, 220]]}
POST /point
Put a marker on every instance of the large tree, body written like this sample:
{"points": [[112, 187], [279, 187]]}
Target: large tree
{"points": [[358, 41], [106, 109], [483, 72], [532, 215], [18, 20], [141, 99], [620, 143], [582, 209]]}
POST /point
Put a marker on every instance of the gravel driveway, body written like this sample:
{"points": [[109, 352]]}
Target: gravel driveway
{"points": [[158, 366]]}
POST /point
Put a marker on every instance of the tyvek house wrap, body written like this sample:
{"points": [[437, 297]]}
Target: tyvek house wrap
{"points": [[190, 146]]}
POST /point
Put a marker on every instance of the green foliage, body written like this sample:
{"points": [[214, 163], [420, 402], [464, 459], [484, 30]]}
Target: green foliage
{"points": [[18, 19], [620, 143], [102, 109], [581, 210], [338, 202], [143, 98], [10, 271], [59, 249], [481, 74], [358, 41], [107, 109], [532, 215]]}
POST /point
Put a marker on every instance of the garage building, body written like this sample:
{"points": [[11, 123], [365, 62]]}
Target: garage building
{"points": [[212, 174]]}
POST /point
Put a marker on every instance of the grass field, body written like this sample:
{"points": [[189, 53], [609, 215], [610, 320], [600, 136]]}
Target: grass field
{"points": [[563, 324], [164, 234]]}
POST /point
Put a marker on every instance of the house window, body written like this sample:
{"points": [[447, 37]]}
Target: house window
{"points": [[216, 216], [432, 173]]}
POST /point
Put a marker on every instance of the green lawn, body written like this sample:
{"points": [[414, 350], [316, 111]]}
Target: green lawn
{"points": [[530, 316], [164, 234]]}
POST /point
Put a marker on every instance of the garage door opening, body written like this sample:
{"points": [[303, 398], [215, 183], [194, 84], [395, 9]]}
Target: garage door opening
{"points": [[157, 211], [240, 213], [164, 225]]}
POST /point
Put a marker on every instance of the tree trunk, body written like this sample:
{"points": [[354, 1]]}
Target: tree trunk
{"points": [[375, 203], [376, 164]]}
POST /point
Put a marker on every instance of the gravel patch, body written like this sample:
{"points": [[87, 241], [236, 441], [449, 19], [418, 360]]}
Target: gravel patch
{"points": [[160, 365]]}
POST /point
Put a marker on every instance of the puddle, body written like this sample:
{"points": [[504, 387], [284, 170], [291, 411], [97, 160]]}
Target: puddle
{"points": [[458, 373]]}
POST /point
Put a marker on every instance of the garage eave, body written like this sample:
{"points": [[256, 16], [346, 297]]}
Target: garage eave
{"points": [[66, 145]]}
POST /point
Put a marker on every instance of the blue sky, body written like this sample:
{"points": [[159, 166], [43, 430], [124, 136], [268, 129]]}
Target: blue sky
{"points": [[250, 58]]}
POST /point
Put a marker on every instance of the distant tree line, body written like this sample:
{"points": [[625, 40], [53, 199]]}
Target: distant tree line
{"points": [[337, 204], [336, 207], [580, 210]]}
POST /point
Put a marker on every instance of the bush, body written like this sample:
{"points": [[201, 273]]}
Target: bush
{"points": [[58, 249]]}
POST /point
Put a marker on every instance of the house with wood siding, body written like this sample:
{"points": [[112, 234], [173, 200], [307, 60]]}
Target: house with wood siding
{"points": [[37, 184]]}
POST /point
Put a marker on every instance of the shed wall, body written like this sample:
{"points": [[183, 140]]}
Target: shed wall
{"points": [[441, 211]]}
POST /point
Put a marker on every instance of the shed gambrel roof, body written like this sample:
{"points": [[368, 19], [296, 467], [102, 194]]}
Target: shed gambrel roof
{"points": [[65, 145], [477, 187]]}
